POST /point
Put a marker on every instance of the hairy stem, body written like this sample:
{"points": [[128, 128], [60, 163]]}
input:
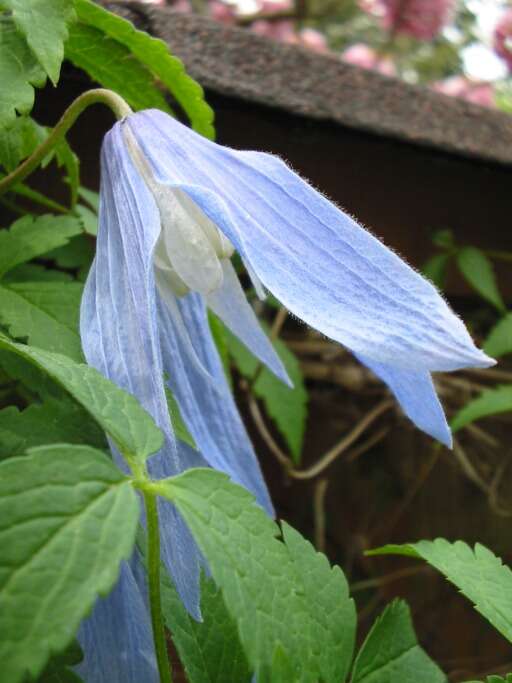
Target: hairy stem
{"points": [[98, 95], [155, 603]]}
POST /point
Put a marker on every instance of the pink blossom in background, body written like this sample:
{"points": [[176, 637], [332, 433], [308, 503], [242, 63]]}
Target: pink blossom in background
{"points": [[478, 92], [421, 19], [278, 29], [503, 38], [367, 58], [220, 11], [181, 6], [312, 39]]}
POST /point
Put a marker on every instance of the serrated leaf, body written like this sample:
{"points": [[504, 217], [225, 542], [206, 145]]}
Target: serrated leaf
{"points": [[263, 588], [499, 341], [68, 519], [89, 219], [477, 573], [113, 66], [435, 269], [391, 654], [333, 617], [44, 23], [32, 236], [490, 402], [42, 424], [19, 73], [286, 406], [209, 650], [45, 314], [478, 271], [117, 412], [155, 56], [19, 141]]}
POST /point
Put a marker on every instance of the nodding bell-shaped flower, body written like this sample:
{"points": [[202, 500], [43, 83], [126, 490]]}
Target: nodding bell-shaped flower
{"points": [[174, 206]]}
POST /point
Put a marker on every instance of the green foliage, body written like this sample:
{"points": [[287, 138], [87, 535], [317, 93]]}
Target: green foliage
{"points": [[20, 141], [20, 72], [44, 24], [178, 423], [391, 652], [69, 517], [477, 573], [478, 271], [287, 406], [31, 236], [499, 341], [435, 269], [116, 411], [53, 421], [45, 314], [57, 670], [210, 651], [239, 542], [156, 64], [490, 402], [495, 679]]}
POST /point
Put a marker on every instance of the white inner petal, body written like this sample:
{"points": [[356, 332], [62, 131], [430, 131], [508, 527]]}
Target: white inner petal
{"points": [[190, 246]]}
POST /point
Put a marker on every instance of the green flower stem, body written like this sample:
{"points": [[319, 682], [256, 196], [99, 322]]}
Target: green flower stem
{"points": [[150, 502], [99, 95]]}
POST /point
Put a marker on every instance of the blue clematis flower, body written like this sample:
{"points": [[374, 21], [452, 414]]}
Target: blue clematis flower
{"points": [[174, 206]]}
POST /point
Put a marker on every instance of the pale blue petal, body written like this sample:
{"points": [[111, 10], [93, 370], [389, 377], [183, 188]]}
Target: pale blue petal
{"points": [[120, 336], [230, 304], [117, 638], [416, 394], [320, 263], [208, 408]]}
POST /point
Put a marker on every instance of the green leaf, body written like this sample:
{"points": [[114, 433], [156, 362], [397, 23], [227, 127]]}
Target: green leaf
{"points": [[44, 23], [69, 517], [116, 411], [78, 253], [210, 651], [333, 618], [477, 573], [154, 55], [391, 654], [177, 421], [435, 269], [478, 271], [34, 272], [499, 341], [90, 197], [89, 219], [495, 679], [57, 670], [490, 402], [287, 406], [45, 314], [33, 236], [266, 589], [113, 66], [19, 141], [46, 423], [19, 73]]}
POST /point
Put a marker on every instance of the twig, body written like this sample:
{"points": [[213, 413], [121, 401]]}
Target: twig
{"points": [[319, 512], [342, 445], [266, 435], [379, 581]]}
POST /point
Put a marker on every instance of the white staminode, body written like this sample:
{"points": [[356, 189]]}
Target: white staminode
{"points": [[190, 247]]}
